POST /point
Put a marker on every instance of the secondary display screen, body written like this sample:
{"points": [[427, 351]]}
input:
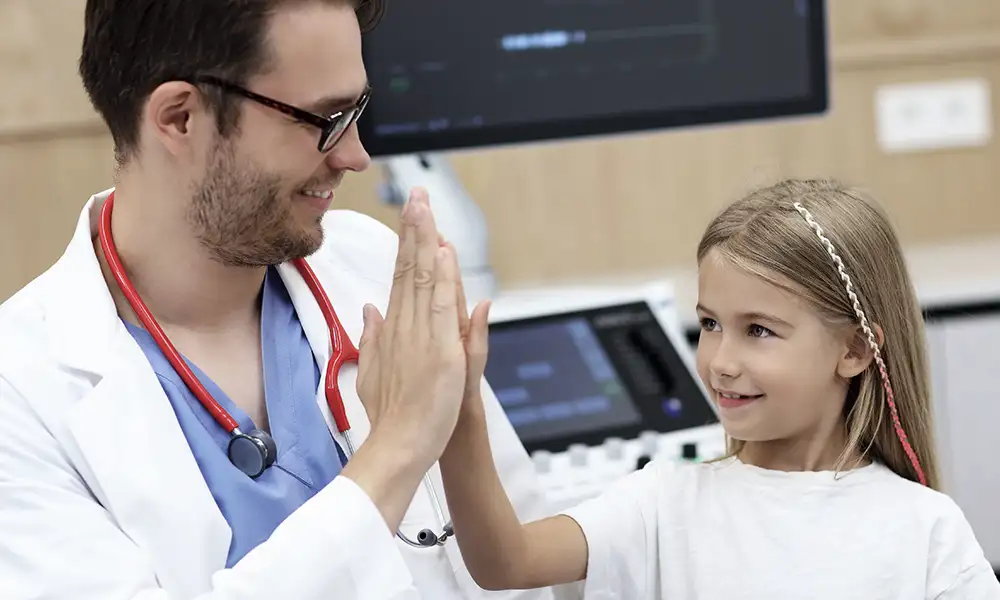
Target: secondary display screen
{"points": [[555, 379], [585, 376]]}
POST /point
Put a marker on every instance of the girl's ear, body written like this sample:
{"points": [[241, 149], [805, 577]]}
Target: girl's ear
{"points": [[858, 353]]}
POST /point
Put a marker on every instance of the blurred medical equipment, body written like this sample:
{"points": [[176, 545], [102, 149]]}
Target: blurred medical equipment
{"points": [[597, 382]]}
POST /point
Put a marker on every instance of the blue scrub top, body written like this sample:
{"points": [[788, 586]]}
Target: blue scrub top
{"points": [[308, 456]]}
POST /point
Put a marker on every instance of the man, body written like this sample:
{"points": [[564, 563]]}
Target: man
{"points": [[165, 411]]}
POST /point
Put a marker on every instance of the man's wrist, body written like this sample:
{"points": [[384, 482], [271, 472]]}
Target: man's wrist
{"points": [[389, 469]]}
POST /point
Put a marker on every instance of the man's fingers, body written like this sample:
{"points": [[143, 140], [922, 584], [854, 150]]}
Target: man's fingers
{"points": [[406, 263], [444, 320], [427, 239]]}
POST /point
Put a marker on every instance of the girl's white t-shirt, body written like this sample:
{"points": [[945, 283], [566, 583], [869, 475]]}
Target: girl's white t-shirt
{"points": [[729, 531]]}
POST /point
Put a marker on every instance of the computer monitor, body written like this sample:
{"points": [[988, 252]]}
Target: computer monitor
{"points": [[453, 74]]}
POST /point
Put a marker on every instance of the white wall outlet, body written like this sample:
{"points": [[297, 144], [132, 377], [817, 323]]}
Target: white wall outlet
{"points": [[934, 115]]}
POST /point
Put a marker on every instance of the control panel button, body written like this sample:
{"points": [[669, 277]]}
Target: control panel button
{"points": [[649, 441], [543, 461], [615, 448], [578, 455], [673, 407], [689, 451]]}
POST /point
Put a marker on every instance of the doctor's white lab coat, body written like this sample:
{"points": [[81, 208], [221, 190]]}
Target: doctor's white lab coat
{"points": [[101, 498]]}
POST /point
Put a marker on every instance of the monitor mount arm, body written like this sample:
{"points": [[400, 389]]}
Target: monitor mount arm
{"points": [[457, 216]]}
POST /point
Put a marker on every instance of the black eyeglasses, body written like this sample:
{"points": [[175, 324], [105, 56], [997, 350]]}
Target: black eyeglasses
{"points": [[331, 127]]}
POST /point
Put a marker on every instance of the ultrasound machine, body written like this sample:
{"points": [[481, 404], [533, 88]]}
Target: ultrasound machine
{"points": [[598, 382], [595, 381]]}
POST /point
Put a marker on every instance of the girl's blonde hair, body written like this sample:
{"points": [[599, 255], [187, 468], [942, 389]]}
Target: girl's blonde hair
{"points": [[832, 246]]}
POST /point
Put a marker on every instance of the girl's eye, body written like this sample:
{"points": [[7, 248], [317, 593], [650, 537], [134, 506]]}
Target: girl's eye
{"points": [[709, 324], [759, 331]]}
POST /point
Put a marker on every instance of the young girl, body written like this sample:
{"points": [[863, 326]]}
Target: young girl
{"points": [[812, 347]]}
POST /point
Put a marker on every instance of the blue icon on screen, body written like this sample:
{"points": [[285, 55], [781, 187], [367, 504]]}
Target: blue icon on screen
{"points": [[673, 407]]}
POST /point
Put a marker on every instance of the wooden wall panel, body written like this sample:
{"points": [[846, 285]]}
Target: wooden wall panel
{"points": [[39, 47], [45, 182], [563, 210], [867, 21]]}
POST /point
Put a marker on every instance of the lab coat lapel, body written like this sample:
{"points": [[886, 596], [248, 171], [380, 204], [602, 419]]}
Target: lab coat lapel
{"points": [[309, 313], [126, 438], [146, 475], [347, 304]]}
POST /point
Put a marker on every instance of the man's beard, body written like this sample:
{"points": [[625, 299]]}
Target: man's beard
{"points": [[240, 215]]}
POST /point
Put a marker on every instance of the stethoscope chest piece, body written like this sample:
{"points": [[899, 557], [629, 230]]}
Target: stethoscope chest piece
{"points": [[252, 452]]}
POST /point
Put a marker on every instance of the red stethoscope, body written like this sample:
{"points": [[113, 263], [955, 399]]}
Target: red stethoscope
{"points": [[254, 452]]}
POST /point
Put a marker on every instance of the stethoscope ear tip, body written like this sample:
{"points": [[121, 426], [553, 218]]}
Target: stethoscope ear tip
{"points": [[427, 538]]}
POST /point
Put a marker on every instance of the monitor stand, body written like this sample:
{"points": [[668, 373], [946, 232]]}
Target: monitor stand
{"points": [[457, 216]]}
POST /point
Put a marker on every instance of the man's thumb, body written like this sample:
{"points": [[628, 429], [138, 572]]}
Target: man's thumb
{"points": [[372, 325]]}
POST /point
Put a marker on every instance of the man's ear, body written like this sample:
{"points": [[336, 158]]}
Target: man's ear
{"points": [[172, 113], [858, 353]]}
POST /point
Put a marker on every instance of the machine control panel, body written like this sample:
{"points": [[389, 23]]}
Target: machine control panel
{"points": [[596, 392]]}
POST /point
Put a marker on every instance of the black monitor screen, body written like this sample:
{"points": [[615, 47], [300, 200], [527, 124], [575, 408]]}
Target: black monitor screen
{"points": [[449, 74], [584, 376], [555, 379]]}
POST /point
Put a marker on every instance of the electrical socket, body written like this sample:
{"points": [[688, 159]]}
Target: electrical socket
{"points": [[915, 117]]}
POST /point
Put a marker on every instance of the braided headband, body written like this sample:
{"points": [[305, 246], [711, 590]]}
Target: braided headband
{"points": [[890, 399]]}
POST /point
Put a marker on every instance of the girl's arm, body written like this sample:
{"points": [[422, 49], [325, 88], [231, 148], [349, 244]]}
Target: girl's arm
{"points": [[499, 551]]}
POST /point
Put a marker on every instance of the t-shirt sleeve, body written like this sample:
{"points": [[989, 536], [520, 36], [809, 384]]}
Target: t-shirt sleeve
{"points": [[958, 568], [620, 528]]}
